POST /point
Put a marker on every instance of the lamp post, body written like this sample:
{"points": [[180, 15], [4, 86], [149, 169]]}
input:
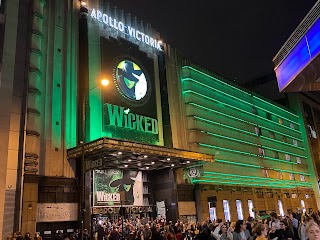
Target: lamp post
{"points": [[85, 103]]}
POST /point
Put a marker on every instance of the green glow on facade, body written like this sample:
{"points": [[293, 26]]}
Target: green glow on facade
{"points": [[255, 178], [237, 163], [292, 154], [237, 109], [219, 182], [223, 125], [284, 143], [256, 166], [244, 121], [252, 144], [71, 87], [246, 102], [244, 153], [239, 90], [56, 117], [231, 150], [237, 124]]}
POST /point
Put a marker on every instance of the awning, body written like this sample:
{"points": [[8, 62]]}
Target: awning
{"points": [[107, 153]]}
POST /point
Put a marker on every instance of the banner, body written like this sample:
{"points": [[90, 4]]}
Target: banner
{"points": [[57, 212], [161, 209], [116, 187]]}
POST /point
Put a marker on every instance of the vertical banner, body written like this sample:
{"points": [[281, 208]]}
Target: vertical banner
{"points": [[161, 209]]}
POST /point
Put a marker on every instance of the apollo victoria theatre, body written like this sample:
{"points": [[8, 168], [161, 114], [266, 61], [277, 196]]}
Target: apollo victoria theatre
{"points": [[126, 155], [128, 30]]}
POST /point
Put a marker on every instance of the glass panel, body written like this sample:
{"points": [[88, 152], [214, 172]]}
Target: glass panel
{"points": [[303, 206], [226, 210], [212, 212], [239, 209], [250, 205], [280, 208]]}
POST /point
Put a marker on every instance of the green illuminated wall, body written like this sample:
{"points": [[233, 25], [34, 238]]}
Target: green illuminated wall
{"points": [[232, 124]]}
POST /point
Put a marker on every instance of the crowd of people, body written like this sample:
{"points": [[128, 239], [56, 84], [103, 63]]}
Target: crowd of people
{"points": [[290, 227], [27, 236]]}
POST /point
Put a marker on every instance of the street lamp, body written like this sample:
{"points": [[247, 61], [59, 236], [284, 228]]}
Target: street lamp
{"points": [[104, 83]]}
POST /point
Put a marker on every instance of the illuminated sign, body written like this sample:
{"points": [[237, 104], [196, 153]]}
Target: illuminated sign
{"points": [[120, 26], [123, 118], [103, 197], [131, 80], [112, 186], [302, 54]]}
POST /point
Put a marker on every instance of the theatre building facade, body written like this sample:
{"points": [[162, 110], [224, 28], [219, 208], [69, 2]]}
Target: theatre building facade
{"points": [[163, 138]]}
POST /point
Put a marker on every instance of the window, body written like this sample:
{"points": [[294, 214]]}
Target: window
{"points": [[288, 157], [251, 212], [280, 121], [292, 125], [226, 210], [272, 135], [312, 132], [265, 173], [280, 208], [268, 115], [298, 160], [295, 142], [302, 178], [212, 211], [280, 175], [307, 196], [261, 152], [239, 209], [291, 176], [257, 131], [284, 139], [276, 154], [294, 195], [303, 206], [254, 110]]}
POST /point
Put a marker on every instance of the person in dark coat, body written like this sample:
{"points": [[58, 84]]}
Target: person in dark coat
{"points": [[283, 233]]}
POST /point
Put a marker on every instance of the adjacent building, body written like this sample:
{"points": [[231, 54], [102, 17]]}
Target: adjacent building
{"points": [[165, 137]]}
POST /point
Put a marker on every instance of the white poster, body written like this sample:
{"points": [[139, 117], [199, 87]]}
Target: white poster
{"points": [[161, 210], [57, 212]]}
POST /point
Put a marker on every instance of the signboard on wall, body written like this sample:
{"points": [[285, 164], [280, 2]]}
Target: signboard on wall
{"points": [[57, 212], [117, 187], [193, 172], [129, 103]]}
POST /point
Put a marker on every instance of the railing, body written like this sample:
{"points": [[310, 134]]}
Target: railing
{"points": [[298, 33]]}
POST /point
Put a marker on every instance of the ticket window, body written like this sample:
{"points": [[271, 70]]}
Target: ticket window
{"points": [[226, 210]]}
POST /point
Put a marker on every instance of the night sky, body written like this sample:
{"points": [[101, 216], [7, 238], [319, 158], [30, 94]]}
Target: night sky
{"points": [[235, 39]]}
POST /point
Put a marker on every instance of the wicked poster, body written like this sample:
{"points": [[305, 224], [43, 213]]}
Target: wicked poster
{"points": [[117, 187]]}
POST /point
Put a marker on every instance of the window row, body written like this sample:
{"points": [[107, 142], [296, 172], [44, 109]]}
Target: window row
{"points": [[261, 153], [227, 214], [272, 135], [271, 117], [265, 173]]}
